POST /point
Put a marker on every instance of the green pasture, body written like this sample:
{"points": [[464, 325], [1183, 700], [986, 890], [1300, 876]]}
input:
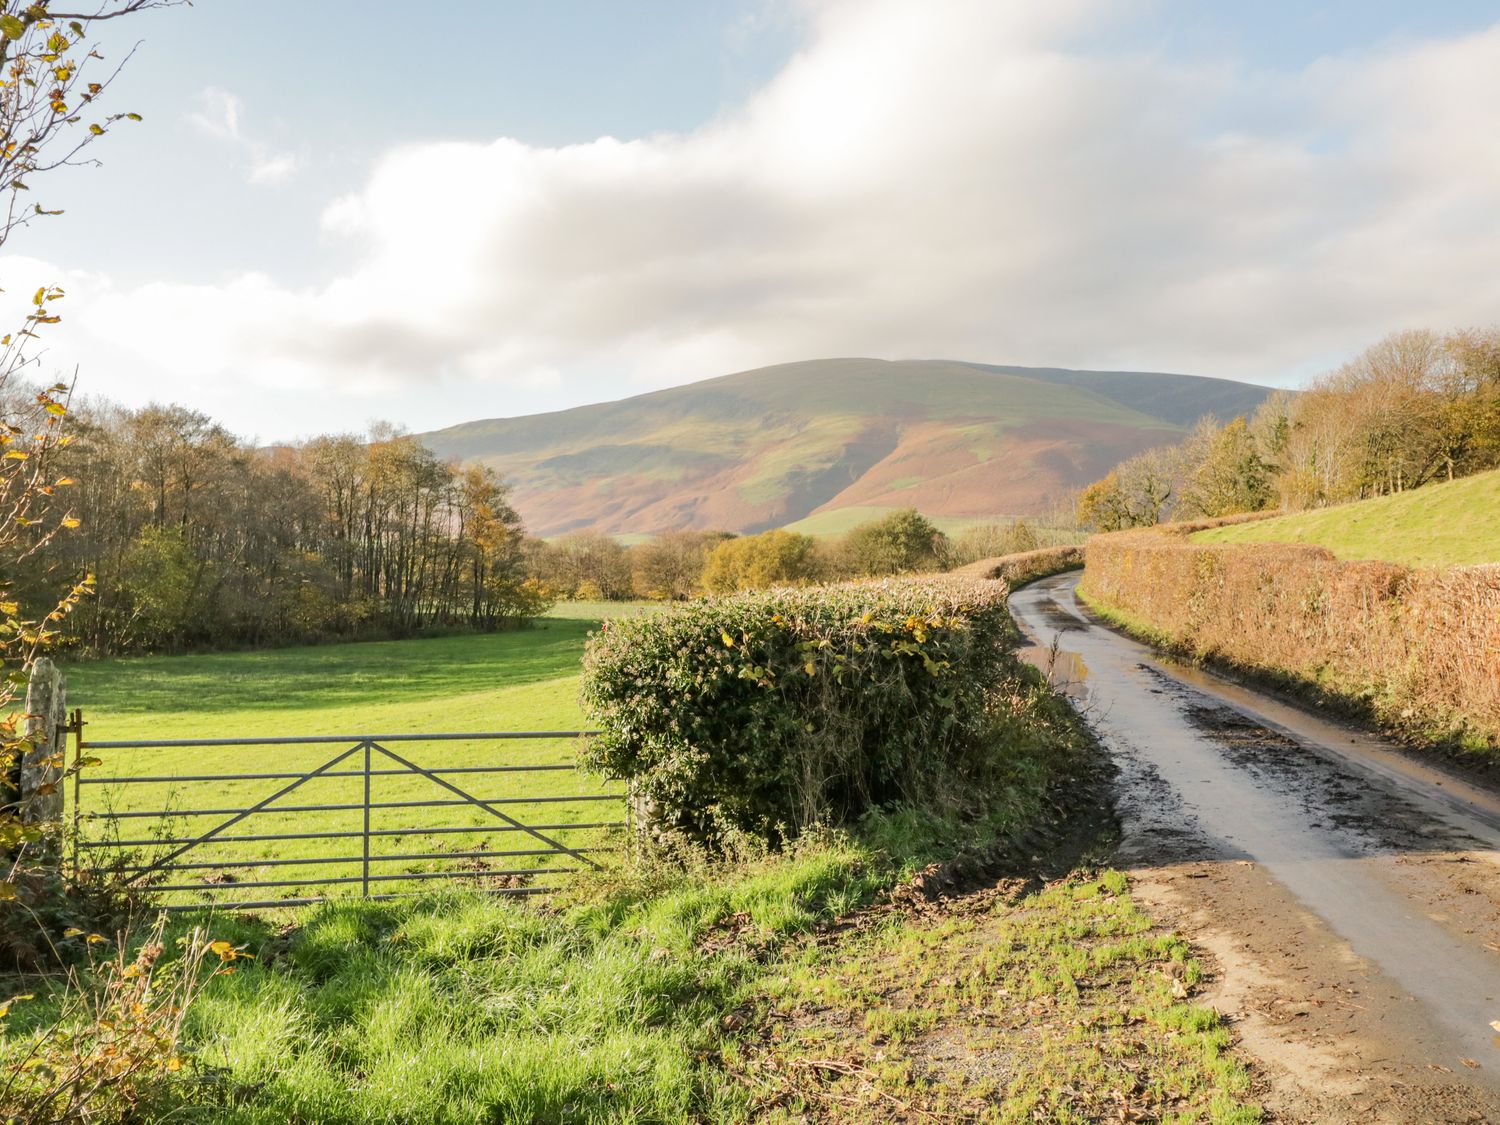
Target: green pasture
{"points": [[1455, 523], [520, 681]]}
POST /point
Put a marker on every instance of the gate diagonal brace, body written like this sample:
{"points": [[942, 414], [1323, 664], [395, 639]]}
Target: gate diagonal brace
{"points": [[491, 809], [161, 862]]}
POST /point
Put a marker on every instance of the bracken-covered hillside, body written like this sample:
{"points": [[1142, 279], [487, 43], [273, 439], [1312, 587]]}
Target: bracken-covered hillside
{"points": [[775, 445]]}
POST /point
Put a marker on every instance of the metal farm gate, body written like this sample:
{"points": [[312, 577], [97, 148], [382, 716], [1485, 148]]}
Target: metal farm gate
{"points": [[311, 817]]}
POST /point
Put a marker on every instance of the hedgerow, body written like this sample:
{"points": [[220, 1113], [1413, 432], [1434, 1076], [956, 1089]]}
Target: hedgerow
{"points": [[1025, 566], [1416, 649], [768, 711]]}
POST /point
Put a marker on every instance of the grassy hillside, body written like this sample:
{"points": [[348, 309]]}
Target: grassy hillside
{"points": [[776, 445], [1456, 523], [839, 521]]}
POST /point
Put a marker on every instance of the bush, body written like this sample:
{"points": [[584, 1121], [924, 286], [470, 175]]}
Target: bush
{"points": [[112, 1050], [770, 711]]}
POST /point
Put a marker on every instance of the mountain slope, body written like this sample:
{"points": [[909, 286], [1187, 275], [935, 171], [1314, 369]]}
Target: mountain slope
{"points": [[1455, 523], [766, 447]]}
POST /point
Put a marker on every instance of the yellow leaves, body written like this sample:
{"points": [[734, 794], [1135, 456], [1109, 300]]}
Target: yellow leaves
{"points": [[5, 1006], [227, 953], [39, 296], [11, 27], [71, 522], [16, 455], [727, 639]]}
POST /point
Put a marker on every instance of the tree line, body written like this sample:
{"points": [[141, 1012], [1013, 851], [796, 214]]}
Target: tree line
{"points": [[1415, 408], [682, 564], [196, 538]]}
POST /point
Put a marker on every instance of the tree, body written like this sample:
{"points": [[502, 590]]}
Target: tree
{"points": [[584, 564], [901, 542], [772, 558], [668, 566], [991, 540], [1225, 472], [1137, 493]]}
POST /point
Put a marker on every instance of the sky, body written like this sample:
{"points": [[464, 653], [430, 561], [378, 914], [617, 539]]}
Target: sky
{"points": [[355, 210]]}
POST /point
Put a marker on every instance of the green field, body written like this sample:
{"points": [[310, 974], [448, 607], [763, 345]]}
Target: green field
{"points": [[1456, 523], [521, 681]]}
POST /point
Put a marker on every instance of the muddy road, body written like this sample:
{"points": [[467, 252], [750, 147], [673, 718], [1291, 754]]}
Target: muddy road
{"points": [[1347, 893]]}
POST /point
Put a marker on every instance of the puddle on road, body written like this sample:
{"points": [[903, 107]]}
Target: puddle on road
{"points": [[1065, 670], [1240, 813]]}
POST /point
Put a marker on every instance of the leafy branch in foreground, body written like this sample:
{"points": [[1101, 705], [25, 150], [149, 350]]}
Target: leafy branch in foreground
{"points": [[51, 79], [116, 1039]]}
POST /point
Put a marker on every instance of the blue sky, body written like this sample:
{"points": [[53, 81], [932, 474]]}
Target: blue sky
{"points": [[514, 207]]}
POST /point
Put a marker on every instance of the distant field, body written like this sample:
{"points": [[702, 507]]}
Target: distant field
{"points": [[1455, 523], [522, 681]]}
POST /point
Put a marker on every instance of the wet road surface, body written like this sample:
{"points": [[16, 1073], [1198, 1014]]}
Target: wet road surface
{"points": [[1349, 893]]}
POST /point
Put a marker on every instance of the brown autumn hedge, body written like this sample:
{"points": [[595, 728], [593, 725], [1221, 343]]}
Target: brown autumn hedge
{"points": [[1419, 648], [1026, 566]]}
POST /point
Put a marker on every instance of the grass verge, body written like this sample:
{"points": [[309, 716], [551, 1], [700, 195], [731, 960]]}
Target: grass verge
{"points": [[1064, 1004]]}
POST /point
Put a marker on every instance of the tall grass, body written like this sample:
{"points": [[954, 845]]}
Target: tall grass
{"points": [[466, 1009]]}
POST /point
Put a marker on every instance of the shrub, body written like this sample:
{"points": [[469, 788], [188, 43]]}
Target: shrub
{"points": [[113, 1049], [767, 712]]}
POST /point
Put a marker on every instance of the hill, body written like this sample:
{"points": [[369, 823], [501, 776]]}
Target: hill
{"points": [[775, 445], [1456, 523]]}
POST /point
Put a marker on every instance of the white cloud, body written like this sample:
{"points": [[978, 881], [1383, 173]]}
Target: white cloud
{"points": [[927, 177], [218, 115]]}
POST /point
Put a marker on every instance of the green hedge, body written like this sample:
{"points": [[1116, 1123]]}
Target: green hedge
{"points": [[768, 711]]}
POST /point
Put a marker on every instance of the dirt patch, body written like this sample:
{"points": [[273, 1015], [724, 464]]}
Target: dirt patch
{"points": [[1337, 1041]]}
